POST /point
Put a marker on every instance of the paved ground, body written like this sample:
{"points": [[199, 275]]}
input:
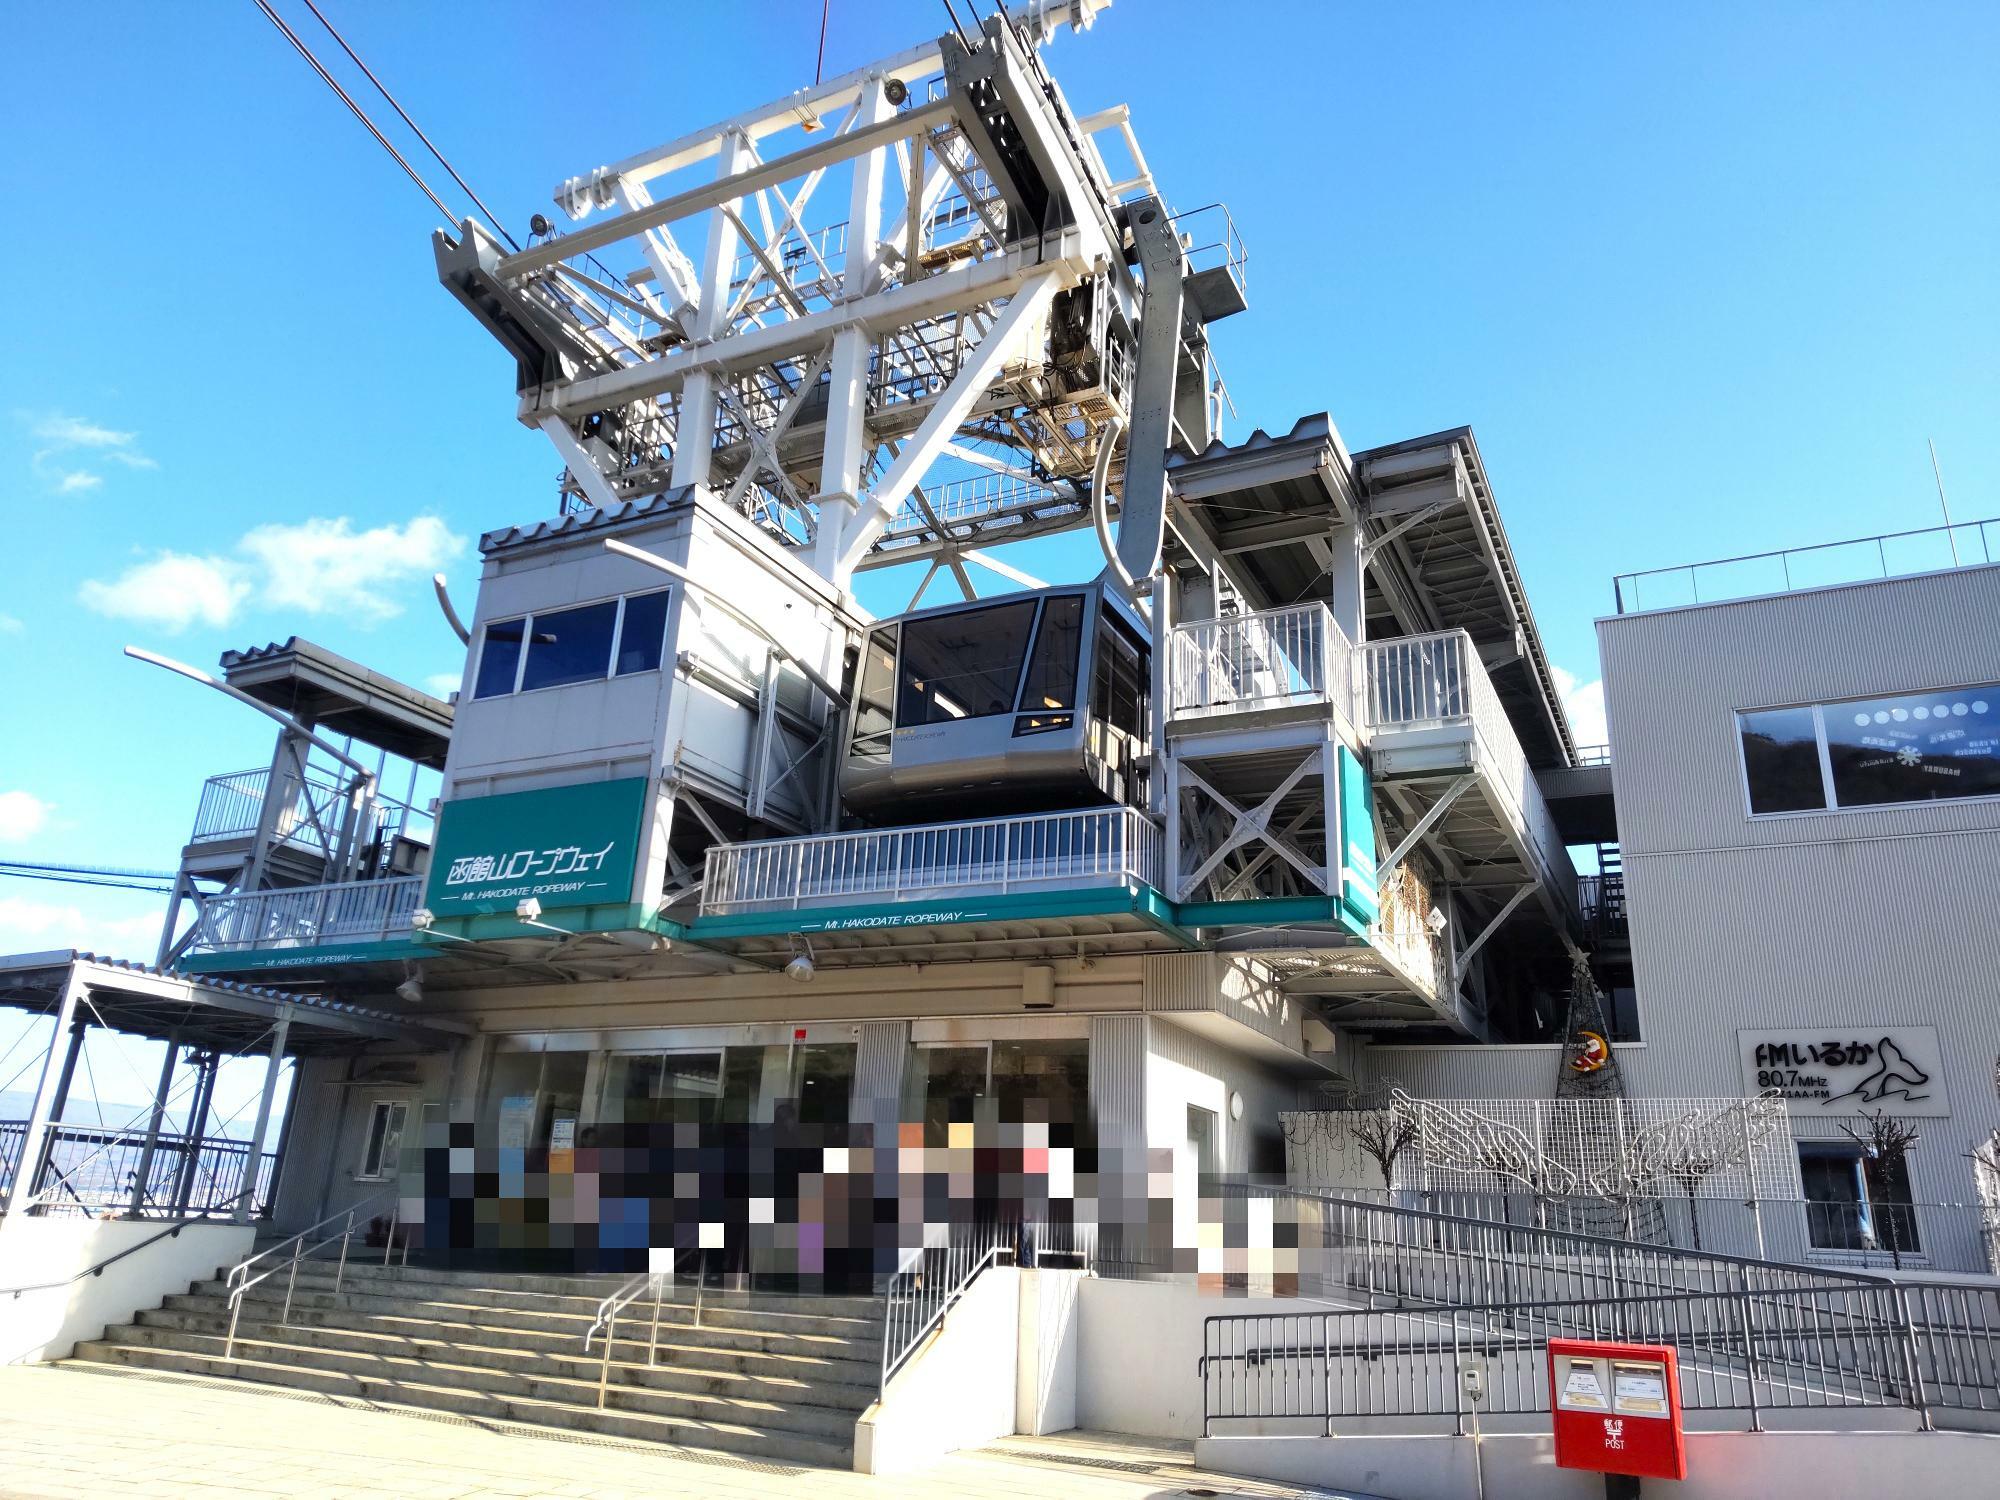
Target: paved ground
{"points": [[72, 1432]]}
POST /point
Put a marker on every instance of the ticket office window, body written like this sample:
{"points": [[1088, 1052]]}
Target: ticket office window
{"points": [[1031, 1079], [811, 1083], [528, 1092]]}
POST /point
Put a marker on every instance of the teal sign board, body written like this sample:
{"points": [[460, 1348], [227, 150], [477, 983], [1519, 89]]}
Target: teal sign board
{"points": [[1359, 893], [565, 846]]}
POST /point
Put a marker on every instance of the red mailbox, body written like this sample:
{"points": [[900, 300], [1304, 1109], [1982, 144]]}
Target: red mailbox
{"points": [[1617, 1408]]}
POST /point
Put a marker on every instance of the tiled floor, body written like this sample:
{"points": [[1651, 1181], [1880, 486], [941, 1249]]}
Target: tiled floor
{"points": [[73, 1432]]}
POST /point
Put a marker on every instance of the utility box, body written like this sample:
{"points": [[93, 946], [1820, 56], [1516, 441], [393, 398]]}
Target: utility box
{"points": [[1617, 1408]]}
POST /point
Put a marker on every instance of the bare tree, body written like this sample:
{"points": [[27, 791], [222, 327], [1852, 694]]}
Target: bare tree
{"points": [[1883, 1140], [1385, 1134]]}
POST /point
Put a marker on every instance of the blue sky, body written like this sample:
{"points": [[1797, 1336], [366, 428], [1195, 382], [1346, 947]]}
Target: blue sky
{"points": [[1703, 279]]}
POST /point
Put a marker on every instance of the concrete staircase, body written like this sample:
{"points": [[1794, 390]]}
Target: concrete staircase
{"points": [[775, 1378]]}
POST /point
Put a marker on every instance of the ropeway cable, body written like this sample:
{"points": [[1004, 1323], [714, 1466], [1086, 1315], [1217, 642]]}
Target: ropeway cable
{"points": [[491, 217], [345, 98]]}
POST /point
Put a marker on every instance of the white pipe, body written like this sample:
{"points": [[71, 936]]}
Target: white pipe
{"points": [[361, 772], [450, 615], [1100, 515]]}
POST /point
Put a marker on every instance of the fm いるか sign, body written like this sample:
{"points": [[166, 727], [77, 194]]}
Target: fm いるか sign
{"points": [[1848, 1070], [564, 846]]}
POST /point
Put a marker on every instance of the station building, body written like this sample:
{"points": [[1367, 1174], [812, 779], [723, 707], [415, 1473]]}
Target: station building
{"points": [[1278, 807]]}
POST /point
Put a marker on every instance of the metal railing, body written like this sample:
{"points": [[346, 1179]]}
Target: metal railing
{"points": [[308, 916], [232, 807], [929, 1282], [1592, 755], [90, 1169], [1397, 1256], [239, 1281], [1894, 554], [992, 856], [172, 1232], [1435, 681], [1923, 1347], [606, 1322], [1276, 658]]}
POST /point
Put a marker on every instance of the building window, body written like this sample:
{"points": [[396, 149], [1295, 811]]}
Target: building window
{"points": [[1873, 752], [614, 637], [385, 1139], [1855, 1201]]}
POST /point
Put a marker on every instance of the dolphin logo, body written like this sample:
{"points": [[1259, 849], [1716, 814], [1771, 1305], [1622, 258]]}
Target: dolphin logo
{"points": [[1895, 1076]]}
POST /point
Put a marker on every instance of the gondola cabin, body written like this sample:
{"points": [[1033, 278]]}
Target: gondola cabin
{"points": [[1028, 702]]}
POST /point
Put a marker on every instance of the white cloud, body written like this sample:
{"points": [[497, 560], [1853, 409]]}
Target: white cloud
{"points": [[1584, 702], [327, 567], [22, 815], [71, 444], [443, 684], [172, 591], [11, 625], [315, 567], [29, 926]]}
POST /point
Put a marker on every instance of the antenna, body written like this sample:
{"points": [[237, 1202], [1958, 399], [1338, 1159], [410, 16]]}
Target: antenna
{"points": [[1943, 504]]}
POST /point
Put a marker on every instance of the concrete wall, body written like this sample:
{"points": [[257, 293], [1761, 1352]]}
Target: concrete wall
{"points": [[1138, 1352], [1045, 1354], [47, 1324], [957, 1392], [1721, 1465]]}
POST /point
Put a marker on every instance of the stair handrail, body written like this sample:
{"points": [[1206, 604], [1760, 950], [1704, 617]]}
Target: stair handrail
{"points": [[171, 1232], [913, 1305], [239, 1281], [606, 1322]]}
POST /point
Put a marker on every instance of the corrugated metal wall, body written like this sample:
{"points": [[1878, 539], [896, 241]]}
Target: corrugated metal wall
{"points": [[878, 1070], [1850, 920], [1118, 1078], [1674, 679]]}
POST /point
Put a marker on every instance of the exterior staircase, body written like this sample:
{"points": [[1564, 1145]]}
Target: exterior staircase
{"points": [[780, 1379]]}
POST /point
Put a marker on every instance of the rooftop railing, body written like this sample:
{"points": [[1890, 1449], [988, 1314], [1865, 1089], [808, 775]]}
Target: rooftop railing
{"points": [[232, 807], [1276, 658], [310, 916], [1895, 554], [1437, 681], [994, 856]]}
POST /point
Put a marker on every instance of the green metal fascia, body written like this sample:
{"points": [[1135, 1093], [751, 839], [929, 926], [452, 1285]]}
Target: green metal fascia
{"points": [[300, 958], [1145, 903]]}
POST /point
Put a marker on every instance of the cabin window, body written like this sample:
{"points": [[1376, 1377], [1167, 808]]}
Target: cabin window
{"points": [[1873, 752], [569, 645], [1052, 669], [499, 659], [875, 708], [614, 637], [642, 633], [964, 665]]}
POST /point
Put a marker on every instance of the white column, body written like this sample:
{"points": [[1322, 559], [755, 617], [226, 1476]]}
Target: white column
{"points": [[144, 1175], [20, 1192], [846, 448], [694, 439], [255, 1158]]}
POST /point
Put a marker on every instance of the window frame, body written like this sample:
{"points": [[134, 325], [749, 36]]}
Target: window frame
{"points": [[611, 673], [378, 1108], [1833, 806]]}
